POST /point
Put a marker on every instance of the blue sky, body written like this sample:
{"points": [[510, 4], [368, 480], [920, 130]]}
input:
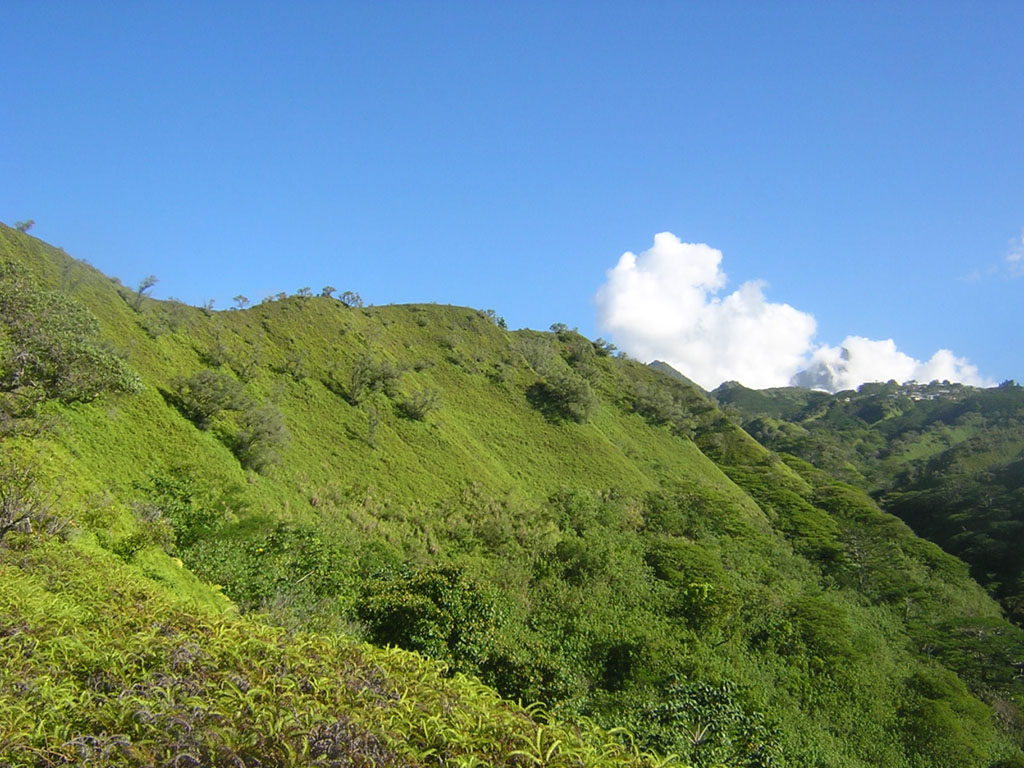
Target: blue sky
{"points": [[864, 161]]}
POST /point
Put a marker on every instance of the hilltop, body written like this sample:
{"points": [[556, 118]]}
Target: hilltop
{"points": [[222, 508]]}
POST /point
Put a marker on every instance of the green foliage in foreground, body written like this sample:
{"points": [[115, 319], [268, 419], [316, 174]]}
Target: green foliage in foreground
{"points": [[620, 551], [103, 667]]}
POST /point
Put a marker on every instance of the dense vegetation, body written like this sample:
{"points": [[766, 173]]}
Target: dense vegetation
{"points": [[946, 458], [536, 516], [103, 667]]}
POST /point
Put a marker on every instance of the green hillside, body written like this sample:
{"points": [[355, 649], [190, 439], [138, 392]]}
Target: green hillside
{"points": [[209, 512], [945, 458]]}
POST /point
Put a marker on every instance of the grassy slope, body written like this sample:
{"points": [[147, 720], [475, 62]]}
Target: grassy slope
{"points": [[482, 431]]}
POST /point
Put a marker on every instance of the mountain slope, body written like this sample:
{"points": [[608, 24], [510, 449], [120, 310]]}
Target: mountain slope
{"points": [[571, 528], [945, 458]]}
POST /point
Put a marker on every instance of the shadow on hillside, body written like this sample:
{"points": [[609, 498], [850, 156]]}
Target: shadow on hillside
{"points": [[541, 397]]}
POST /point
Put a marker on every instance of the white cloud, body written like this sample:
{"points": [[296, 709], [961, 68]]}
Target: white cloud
{"points": [[1012, 262], [1015, 258], [858, 360], [664, 304]]}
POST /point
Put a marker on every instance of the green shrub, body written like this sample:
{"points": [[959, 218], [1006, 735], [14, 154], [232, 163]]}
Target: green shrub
{"points": [[366, 375], [23, 506], [50, 350], [421, 404], [295, 364], [656, 404], [711, 724], [173, 498], [438, 611], [576, 348], [537, 351], [260, 438], [207, 393], [563, 394]]}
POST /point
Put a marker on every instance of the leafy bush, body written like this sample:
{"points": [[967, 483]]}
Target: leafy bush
{"points": [[366, 375], [656, 404], [664, 403], [255, 433], [260, 438], [537, 351], [576, 348], [295, 364], [564, 394], [438, 611], [420, 404], [174, 498], [22, 504], [49, 349], [710, 725], [207, 393]]}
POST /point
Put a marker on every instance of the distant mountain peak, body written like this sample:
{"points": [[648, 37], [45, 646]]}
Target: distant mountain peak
{"points": [[661, 365]]}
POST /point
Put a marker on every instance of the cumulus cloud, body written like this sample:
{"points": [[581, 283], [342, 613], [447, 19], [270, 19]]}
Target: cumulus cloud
{"points": [[666, 304], [858, 360]]}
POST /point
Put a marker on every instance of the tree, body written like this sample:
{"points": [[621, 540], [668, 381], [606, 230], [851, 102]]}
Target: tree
{"points": [[351, 299], [24, 226], [173, 498], [711, 725], [241, 302], [366, 375], [304, 293], [328, 291], [439, 611], [497, 319], [140, 293]]}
